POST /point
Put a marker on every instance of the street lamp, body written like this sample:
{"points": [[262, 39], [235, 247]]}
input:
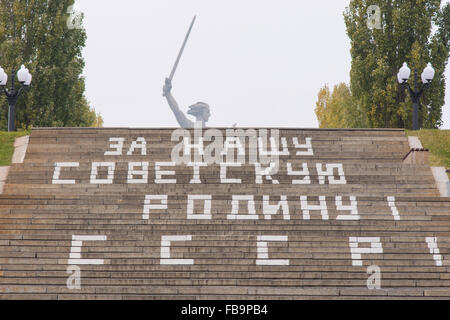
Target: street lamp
{"points": [[416, 93], [24, 77]]}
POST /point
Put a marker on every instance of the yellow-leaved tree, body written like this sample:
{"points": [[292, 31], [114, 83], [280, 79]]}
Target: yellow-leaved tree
{"points": [[337, 109]]}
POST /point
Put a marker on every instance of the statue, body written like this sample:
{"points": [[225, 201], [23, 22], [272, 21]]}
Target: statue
{"points": [[199, 110]]}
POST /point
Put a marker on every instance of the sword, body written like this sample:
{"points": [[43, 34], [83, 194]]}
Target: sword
{"points": [[181, 51]]}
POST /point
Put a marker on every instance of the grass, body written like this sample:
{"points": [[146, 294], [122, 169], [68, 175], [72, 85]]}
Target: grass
{"points": [[7, 145], [438, 142]]}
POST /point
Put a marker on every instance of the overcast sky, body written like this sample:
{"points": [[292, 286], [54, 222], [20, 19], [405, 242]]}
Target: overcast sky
{"points": [[257, 63]]}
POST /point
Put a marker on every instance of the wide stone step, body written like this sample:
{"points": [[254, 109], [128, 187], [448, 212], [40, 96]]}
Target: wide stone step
{"points": [[269, 254]]}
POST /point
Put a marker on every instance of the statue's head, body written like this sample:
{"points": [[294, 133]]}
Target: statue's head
{"points": [[200, 111]]}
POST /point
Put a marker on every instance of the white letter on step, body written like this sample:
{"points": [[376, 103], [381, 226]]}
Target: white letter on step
{"points": [[375, 247], [118, 147], [223, 172], [307, 146], [165, 250], [159, 173], [57, 172], [274, 146], [149, 206], [198, 156], [434, 250], [132, 172], [322, 207], [196, 176], [232, 143], [391, 203], [140, 143], [329, 172], [235, 208], [259, 173], [353, 208], [75, 250], [206, 208], [263, 251], [94, 172], [304, 172], [269, 210]]}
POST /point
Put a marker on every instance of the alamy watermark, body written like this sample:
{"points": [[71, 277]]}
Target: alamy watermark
{"points": [[75, 19], [374, 17], [74, 280], [374, 280], [237, 146]]}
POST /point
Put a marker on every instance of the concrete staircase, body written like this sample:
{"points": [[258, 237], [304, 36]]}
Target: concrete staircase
{"points": [[75, 233]]}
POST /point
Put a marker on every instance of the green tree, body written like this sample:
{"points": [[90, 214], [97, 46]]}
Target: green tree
{"points": [[337, 109], [406, 35], [36, 33]]}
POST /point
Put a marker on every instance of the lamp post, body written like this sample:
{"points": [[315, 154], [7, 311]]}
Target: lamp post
{"points": [[416, 92], [24, 77]]}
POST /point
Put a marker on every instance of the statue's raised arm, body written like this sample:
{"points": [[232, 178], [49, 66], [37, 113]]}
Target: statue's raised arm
{"points": [[181, 118], [200, 110]]}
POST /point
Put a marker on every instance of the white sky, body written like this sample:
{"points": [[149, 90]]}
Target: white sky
{"points": [[257, 63]]}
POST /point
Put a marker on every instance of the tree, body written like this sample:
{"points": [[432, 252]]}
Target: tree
{"points": [[377, 54], [337, 109], [98, 122], [36, 33], [323, 99]]}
